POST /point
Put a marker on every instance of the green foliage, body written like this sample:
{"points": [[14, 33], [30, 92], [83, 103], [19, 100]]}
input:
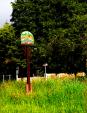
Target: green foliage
{"points": [[48, 96], [59, 28], [10, 53], [7, 38]]}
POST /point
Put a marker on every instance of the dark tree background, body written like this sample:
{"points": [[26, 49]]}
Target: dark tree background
{"points": [[60, 31]]}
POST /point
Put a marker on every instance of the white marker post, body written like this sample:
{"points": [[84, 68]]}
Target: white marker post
{"points": [[45, 65]]}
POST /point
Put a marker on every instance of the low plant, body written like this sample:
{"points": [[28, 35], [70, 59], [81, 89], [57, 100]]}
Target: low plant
{"points": [[47, 96]]}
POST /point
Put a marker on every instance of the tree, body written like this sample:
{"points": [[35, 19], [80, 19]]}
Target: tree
{"points": [[58, 27], [9, 51]]}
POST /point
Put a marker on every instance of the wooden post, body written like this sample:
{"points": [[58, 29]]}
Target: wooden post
{"points": [[28, 60], [27, 40]]}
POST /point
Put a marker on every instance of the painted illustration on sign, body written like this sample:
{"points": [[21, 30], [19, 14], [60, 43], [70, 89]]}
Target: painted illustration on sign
{"points": [[27, 38]]}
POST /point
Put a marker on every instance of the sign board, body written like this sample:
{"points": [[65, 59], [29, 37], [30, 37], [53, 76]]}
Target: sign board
{"points": [[27, 38], [45, 64]]}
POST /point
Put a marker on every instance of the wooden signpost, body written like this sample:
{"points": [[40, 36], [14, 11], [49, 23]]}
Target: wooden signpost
{"points": [[27, 40]]}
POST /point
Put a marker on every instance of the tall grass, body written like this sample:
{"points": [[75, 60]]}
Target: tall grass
{"points": [[48, 96]]}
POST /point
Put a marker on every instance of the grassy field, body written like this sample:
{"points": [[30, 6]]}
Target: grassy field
{"points": [[48, 96]]}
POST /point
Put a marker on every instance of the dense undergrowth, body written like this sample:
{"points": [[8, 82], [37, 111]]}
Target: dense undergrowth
{"points": [[48, 96]]}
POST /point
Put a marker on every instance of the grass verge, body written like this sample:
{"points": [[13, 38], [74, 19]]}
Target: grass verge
{"points": [[48, 96]]}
